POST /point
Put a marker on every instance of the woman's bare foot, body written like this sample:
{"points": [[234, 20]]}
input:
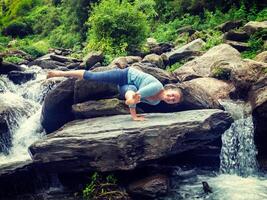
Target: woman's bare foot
{"points": [[53, 73]]}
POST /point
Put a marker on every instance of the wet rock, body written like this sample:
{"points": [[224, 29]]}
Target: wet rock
{"points": [[154, 59], [6, 67], [150, 187], [206, 187], [19, 77], [104, 107], [221, 56], [124, 144], [253, 26], [57, 107], [227, 26]]}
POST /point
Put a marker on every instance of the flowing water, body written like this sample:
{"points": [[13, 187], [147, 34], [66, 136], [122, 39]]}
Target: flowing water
{"points": [[238, 177], [23, 121]]}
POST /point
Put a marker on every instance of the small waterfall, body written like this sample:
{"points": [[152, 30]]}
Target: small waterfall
{"points": [[23, 122], [238, 153]]}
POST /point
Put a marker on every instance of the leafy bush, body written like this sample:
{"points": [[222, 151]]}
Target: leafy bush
{"points": [[13, 59], [116, 28], [103, 188], [17, 29]]}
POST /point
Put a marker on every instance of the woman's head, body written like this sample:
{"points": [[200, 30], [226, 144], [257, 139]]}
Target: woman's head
{"points": [[172, 95]]}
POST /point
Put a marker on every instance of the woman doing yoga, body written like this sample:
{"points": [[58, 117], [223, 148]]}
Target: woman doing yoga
{"points": [[134, 85]]}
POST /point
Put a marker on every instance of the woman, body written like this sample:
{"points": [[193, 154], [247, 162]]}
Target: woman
{"points": [[135, 85]]}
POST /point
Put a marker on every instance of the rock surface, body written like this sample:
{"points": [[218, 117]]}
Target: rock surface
{"points": [[221, 55], [150, 187], [103, 107], [123, 144]]}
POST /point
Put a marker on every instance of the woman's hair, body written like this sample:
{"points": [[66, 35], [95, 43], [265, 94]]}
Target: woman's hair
{"points": [[175, 88]]}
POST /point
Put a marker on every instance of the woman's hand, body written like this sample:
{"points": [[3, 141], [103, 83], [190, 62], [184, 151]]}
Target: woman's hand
{"points": [[139, 118]]}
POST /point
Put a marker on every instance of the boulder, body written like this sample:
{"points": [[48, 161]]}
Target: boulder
{"points": [[162, 48], [12, 109], [163, 76], [191, 49], [217, 89], [19, 77], [204, 93], [122, 62], [47, 64], [85, 90], [6, 67], [247, 74], [227, 26], [219, 56], [103, 107], [124, 144], [258, 99], [262, 57], [240, 46], [150, 187], [63, 59], [57, 106], [154, 59], [92, 58], [240, 36], [253, 26]]}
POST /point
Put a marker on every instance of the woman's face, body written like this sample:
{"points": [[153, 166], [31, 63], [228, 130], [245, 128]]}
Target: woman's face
{"points": [[172, 96]]}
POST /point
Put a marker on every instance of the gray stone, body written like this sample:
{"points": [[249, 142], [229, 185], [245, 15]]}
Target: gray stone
{"points": [[240, 36], [6, 67], [119, 143], [57, 106], [92, 58], [150, 187], [103, 107], [240, 46], [262, 57], [219, 56], [253, 26], [227, 26], [154, 59], [19, 77]]}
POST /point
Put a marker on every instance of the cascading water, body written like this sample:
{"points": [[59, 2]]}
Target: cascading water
{"points": [[238, 177], [23, 119], [238, 153]]}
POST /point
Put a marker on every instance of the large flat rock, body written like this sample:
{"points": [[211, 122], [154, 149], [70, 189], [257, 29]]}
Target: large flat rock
{"points": [[118, 143]]}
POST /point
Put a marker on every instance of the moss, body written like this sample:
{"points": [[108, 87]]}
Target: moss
{"points": [[221, 73]]}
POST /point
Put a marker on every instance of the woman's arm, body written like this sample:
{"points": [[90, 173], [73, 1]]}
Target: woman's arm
{"points": [[132, 98]]}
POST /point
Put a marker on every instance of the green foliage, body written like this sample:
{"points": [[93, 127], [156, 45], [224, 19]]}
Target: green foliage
{"points": [[262, 15], [175, 66], [116, 28], [13, 59], [103, 188], [212, 38], [17, 29], [44, 19]]}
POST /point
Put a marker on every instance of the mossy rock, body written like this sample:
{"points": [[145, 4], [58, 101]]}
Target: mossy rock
{"points": [[221, 73]]}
